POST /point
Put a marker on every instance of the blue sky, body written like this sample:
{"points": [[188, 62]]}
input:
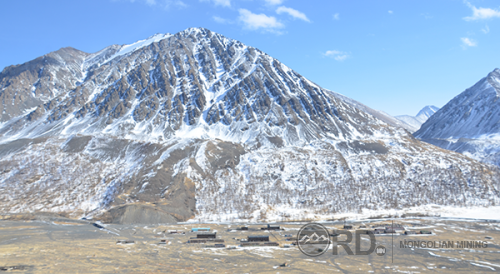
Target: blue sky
{"points": [[395, 56]]}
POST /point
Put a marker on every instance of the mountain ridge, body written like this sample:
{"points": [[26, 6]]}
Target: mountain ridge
{"points": [[302, 109], [413, 123], [469, 122], [485, 92], [197, 125]]}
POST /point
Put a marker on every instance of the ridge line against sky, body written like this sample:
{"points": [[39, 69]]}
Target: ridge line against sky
{"points": [[391, 55]]}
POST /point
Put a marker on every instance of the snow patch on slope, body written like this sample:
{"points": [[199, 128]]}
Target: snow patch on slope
{"points": [[140, 44]]}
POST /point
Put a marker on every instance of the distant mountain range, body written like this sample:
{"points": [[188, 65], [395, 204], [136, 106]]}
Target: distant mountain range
{"points": [[195, 124], [413, 123], [470, 122]]}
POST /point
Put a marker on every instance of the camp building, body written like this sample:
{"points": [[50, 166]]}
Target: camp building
{"points": [[258, 238]]}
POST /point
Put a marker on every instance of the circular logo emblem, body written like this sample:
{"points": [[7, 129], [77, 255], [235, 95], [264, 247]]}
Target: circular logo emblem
{"points": [[313, 239], [380, 250]]}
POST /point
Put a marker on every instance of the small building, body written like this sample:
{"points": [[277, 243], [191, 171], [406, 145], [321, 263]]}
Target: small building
{"points": [[98, 225], [425, 232], [259, 244], [249, 244], [175, 232], [396, 228], [206, 235], [271, 227], [258, 238], [409, 232], [198, 229], [216, 246], [202, 241], [270, 244], [125, 242]]}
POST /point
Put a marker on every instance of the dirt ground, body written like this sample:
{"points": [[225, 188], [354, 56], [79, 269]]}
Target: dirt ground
{"points": [[65, 246]]}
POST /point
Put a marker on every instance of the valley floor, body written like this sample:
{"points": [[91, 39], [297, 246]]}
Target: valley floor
{"points": [[56, 245]]}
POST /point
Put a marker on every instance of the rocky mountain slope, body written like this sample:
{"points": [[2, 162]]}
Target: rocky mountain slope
{"points": [[470, 122], [199, 125], [414, 122]]}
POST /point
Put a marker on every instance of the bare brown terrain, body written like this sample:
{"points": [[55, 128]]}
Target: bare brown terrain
{"points": [[51, 244]]}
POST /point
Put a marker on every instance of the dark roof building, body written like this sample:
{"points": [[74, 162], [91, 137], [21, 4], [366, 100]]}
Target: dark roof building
{"points": [[206, 240], [206, 235], [258, 238], [395, 227], [271, 227]]}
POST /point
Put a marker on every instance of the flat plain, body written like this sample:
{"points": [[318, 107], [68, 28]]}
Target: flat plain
{"points": [[58, 245]]}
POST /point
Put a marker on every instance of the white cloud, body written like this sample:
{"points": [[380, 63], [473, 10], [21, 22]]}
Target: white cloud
{"points": [[257, 21], [337, 55], [274, 2], [336, 16], [390, 12], [426, 15], [292, 12], [467, 42], [179, 4], [224, 3], [220, 20], [481, 13], [163, 3], [486, 29]]}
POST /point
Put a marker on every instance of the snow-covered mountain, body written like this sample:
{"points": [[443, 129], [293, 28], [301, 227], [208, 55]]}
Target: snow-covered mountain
{"points": [[470, 122], [197, 124], [197, 84], [414, 122]]}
